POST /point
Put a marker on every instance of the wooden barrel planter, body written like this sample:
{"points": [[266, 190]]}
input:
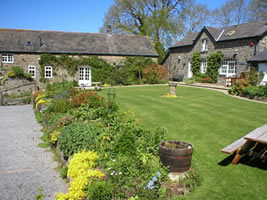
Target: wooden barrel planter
{"points": [[176, 155]]}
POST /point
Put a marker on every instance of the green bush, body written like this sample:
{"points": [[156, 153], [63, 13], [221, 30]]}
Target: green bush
{"points": [[253, 91], [60, 106], [18, 71], [125, 144], [100, 190], [79, 136], [60, 88]]}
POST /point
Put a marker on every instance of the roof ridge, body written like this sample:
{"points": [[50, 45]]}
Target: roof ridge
{"points": [[54, 31], [264, 20]]}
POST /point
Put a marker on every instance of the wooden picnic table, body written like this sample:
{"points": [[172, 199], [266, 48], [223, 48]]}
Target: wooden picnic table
{"points": [[253, 144]]}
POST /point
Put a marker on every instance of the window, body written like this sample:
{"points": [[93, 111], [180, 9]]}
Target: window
{"points": [[32, 71], [48, 72], [203, 67], [228, 67], [7, 58], [204, 45]]}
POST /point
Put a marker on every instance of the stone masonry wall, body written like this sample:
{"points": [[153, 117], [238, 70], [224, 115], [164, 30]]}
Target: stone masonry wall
{"points": [[24, 60], [262, 44]]}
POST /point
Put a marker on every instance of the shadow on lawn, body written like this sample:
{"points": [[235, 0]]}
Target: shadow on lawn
{"points": [[245, 160]]}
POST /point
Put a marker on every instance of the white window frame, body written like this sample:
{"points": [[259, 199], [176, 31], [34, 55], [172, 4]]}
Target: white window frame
{"points": [[203, 67], [48, 72], [32, 70], [7, 58], [204, 45], [228, 67]]}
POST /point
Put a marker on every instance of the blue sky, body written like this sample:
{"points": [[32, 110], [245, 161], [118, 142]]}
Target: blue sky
{"points": [[61, 15]]}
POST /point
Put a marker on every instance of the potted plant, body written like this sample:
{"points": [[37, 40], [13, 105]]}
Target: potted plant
{"points": [[176, 155]]}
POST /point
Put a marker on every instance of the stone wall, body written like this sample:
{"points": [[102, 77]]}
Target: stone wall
{"points": [[178, 59], [24, 60], [262, 44]]}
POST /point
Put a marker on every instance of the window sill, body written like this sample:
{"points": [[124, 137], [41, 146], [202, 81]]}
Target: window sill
{"points": [[7, 62]]}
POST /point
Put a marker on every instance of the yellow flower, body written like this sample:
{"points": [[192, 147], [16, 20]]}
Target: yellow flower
{"points": [[81, 172]]}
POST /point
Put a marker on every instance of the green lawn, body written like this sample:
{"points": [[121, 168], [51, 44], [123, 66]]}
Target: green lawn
{"points": [[209, 120]]}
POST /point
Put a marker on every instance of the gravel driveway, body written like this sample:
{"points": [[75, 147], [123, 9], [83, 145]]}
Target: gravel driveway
{"points": [[24, 167]]}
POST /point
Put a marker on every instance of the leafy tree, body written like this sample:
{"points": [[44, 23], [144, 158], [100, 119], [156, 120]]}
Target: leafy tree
{"points": [[136, 65], [158, 19]]}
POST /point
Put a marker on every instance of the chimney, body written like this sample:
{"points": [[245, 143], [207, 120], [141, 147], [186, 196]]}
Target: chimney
{"points": [[109, 29]]}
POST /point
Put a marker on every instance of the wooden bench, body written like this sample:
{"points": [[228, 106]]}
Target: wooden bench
{"points": [[244, 144], [234, 146]]}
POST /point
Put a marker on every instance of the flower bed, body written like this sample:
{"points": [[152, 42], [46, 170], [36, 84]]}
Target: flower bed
{"points": [[115, 158]]}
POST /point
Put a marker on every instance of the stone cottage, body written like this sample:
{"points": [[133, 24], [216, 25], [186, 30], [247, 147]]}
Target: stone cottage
{"points": [[238, 43], [24, 47]]}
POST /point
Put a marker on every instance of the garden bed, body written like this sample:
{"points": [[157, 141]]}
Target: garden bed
{"points": [[121, 157]]}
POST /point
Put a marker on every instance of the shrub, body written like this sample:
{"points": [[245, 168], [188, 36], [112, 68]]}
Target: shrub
{"points": [[3, 79], [100, 190], [81, 172], [154, 74], [61, 88], [253, 91], [77, 137], [18, 71], [11, 74], [88, 97], [125, 144], [60, 105], [206, 79]]}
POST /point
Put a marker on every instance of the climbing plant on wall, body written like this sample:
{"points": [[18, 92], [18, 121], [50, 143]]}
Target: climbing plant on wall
{"points": [[130, 73], [196, 62], [100, 68], [214, 63]]}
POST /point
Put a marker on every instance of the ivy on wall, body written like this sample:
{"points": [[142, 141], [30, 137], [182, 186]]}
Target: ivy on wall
{"points": [[130, 73], [100, 68], [214, 63], [196, 62]]}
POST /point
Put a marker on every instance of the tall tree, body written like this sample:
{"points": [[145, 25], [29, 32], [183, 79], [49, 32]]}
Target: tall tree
{"points": [[194, 18], [232, 12], [257, 10], [158, 19]]}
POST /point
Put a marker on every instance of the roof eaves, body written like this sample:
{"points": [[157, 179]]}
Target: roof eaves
{"points": [[77, 53]]}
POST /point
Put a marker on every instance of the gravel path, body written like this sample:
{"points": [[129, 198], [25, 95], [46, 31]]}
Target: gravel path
{"points": [[24, 167]]}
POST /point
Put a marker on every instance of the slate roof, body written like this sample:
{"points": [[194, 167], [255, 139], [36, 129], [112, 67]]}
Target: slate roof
{"points": [[15, 40], [260, 57], [248, 30]]}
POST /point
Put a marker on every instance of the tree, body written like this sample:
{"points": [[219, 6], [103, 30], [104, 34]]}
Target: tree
{"points": [[194, 18], [232, 12], [157, 19], [257, 10], [239, 11]]}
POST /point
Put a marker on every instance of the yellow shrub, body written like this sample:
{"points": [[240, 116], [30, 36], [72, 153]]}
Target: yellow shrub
{"points": [[54, 136], [81, 172]]}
